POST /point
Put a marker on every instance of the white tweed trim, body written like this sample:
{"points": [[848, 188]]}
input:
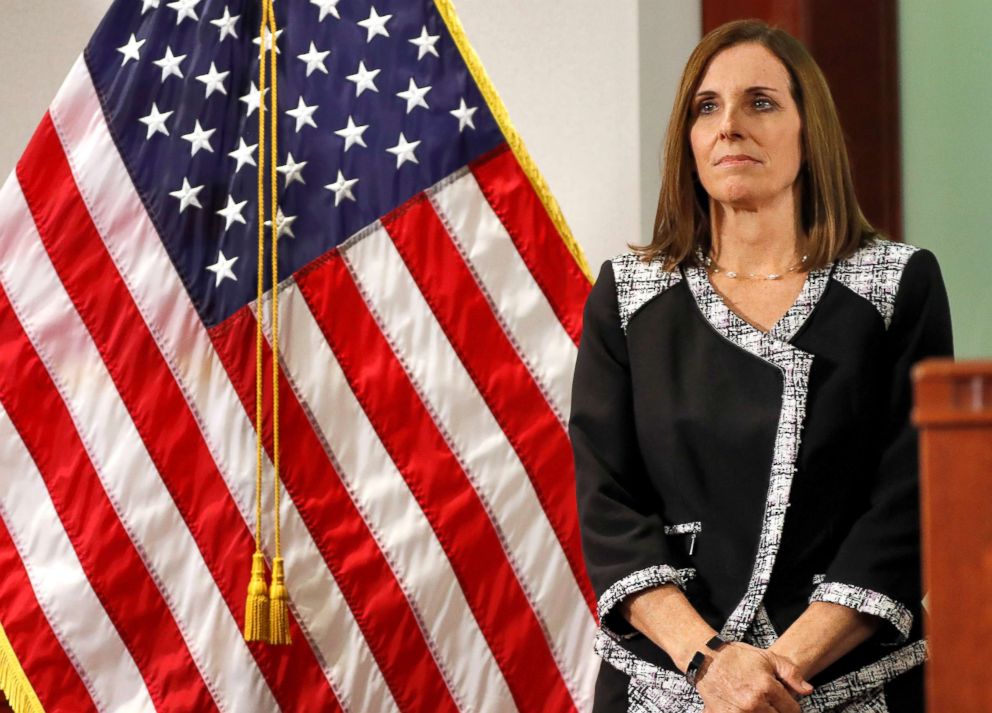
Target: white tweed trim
{"points": [[635, 582], [639, 282], [866, 601], [874, 272]]}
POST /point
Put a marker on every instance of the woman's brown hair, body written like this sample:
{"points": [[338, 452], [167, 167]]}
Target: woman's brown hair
{"points": [[830, 216]]}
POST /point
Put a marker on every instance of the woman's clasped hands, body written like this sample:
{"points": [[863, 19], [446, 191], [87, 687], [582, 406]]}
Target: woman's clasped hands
{"points": [[740, 678]]}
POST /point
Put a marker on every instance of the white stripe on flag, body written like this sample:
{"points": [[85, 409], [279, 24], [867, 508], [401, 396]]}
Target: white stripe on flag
{"points": [[389, 508], [71, 606], [136, 249], [545, 346], [129, 476], [492, 465]]}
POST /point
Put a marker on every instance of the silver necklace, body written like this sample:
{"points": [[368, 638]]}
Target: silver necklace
{"points": [[713, 267]]}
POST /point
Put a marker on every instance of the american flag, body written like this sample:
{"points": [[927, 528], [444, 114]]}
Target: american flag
{"points": [[430, 307]]}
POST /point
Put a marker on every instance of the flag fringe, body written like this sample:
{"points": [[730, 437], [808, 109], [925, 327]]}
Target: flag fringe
{"points": [[447, 10], [14, 683]]}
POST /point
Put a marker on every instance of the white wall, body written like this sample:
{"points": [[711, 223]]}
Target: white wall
{"points": [[588, 85]]}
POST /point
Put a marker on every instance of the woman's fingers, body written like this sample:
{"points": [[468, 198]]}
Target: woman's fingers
{"points": [[781, 701], [743, 679], [789, 675]]}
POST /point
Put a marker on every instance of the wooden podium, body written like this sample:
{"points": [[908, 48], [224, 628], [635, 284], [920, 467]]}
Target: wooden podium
{"points": [[953, 412]]}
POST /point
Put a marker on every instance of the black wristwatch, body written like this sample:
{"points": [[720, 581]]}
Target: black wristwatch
{"points": [[692, 670]]}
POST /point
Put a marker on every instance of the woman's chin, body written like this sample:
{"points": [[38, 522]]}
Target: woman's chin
{"points": [[740, 200], [742, 195]]}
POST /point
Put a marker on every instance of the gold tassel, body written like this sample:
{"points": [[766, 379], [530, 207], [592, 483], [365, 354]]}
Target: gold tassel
{"points": [[257, 606], [278, 605]]}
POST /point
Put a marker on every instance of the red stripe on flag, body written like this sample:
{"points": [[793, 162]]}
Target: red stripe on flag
{"points": [[508, 387], [106, 553], [42, 657], [343, 538], [439, 483], [157, 406], [538, 241]]}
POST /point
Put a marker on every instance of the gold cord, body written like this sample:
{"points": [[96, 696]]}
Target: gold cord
{"points": [[278, 595], [260, 285], [266, 610], [274, 187]]}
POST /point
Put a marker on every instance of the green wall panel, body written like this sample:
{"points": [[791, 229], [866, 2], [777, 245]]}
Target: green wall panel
{"points": [[946, 86]]}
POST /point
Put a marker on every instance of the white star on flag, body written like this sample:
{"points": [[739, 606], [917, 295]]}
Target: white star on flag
{"points": [[425, 44], [155, 121], [199, 138], [226, 24], [314, 59], [268, 40], [284, 224], [364, 79], [375, 24], [342, 188], [464, 115], [214, 80], [222, 268], [232, 212], [414, 96], [185, 9], [130, 50], [403, 150], [327, 7], [253, 99], [146, 5], [243, 155], [170, 64], [303, 115], [292, 170], [187, 195], [352, 134]]}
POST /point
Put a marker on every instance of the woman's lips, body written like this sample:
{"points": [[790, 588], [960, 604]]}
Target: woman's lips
{"points": [[737, 160]]}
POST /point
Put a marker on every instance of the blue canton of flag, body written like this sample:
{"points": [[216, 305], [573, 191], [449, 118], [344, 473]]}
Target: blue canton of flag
{"points": [[376, 105]]}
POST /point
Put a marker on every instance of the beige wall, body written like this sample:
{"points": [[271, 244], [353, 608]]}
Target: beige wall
{"points": [[41, 40], [589, 86]]}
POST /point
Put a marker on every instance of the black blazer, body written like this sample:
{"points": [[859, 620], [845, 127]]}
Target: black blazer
{"points": [[756, 471]]}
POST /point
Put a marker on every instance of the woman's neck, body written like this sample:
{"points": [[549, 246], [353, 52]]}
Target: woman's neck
{"points": [[759, 240]]}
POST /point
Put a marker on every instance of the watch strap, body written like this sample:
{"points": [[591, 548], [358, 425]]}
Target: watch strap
{"points": [[692, 670], [716, 643]]}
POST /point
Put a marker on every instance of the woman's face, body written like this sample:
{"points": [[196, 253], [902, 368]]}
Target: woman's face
{"points": [[746, 131]]}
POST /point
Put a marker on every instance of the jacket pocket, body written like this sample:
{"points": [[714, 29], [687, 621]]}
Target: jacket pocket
{"points": [[688, 531]]}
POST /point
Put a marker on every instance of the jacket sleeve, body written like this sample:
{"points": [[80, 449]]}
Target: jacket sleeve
{"points": [[623, 537], [877, 568]]}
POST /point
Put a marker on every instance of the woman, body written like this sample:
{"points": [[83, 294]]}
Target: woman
{"points": [[745, 461]]}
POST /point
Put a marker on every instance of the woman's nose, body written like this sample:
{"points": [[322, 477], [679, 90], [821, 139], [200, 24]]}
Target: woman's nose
{"points": [[730, 124]]}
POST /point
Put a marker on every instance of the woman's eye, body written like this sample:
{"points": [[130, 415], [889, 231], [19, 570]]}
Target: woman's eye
{"points": [[763, 104], [707, 107]]}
